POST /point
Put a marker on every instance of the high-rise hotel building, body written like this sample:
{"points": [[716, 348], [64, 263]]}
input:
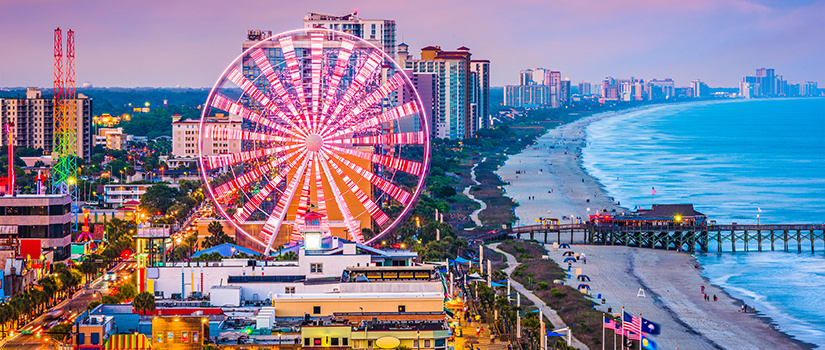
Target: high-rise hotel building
{"points": [[462, 90], [379, 32], [34, 123]]}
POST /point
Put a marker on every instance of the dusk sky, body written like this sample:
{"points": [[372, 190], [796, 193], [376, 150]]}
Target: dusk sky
{"points": [[189, 43]]}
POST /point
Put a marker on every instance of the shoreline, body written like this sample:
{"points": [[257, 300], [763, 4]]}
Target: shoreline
{"points": [[553, 162]]}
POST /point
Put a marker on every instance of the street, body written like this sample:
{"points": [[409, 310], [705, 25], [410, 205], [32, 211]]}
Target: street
{"points": [[71, 308]]}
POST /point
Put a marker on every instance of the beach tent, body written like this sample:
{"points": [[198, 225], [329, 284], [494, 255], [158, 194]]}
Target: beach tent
{"points": [[552, 334], [564, 245], [461, 260], [570, 259], [494, 284], [583, 278], [568, 253], [474, 276], [583, 286]]}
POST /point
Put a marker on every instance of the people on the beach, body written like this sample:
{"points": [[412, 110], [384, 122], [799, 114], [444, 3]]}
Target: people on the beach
{"points": [[702, 289], [715, 298]]}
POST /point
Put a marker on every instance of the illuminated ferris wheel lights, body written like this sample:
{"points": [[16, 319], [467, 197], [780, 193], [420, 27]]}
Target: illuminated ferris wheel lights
{"points": [[318, 132]]}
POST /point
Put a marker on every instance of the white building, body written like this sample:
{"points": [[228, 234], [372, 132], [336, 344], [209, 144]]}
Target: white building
{"points": [[116, 195], [185, 136], [112, 138]]}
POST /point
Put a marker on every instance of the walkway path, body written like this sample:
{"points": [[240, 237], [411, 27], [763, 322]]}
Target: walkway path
{"points": [[474, 215], [482, 342], [548, 312]]}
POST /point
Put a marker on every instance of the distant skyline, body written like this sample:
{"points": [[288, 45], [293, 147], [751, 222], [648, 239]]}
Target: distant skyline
{"points": [[154, 43]]}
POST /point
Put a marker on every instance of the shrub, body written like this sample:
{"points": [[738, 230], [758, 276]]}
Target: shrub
{"points": [[542, 285]]}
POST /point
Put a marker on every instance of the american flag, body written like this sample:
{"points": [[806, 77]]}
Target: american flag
{"points": [[632, 324], [609, 323]]}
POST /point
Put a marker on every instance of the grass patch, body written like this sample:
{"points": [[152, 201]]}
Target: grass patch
{"points": [[575, 308]]}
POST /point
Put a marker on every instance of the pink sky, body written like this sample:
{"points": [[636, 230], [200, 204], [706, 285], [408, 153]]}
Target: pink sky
{"points": [[188, 43]]}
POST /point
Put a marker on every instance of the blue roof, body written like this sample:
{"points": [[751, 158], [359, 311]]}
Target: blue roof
{"points": [[226, 250]]}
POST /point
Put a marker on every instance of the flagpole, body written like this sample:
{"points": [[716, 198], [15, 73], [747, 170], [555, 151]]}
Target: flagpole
{"points": [[641, 333], [622, 327], [603, 318]]}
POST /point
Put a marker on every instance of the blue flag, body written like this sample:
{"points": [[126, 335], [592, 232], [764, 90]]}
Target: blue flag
{"points": [[650, 327], [648, 344]]}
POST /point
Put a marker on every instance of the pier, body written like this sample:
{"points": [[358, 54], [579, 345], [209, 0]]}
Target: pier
{"points": [[689, 238]]}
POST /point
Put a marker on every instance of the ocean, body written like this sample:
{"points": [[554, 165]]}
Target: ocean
{"points": [[742, 161]]}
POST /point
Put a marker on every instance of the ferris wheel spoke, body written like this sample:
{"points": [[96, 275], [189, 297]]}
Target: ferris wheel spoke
{"points": [[303, 206], [223, 103], [341, 63], [223, 191], [367, 70], [276, 218], [402, 111], [262, 61], [407, 166], [401, 195], [236, 77], [223, 133], [288, 48], [380, 217], [320, 197], [407, 138], [316, 46], [250, 206], [218, 161], [353, 229], [373, 98]]}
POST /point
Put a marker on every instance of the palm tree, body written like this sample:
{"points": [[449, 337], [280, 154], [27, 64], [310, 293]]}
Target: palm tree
{"points": [[144, 302]]}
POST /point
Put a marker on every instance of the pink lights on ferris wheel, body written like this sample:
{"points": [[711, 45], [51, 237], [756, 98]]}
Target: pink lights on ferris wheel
{"points": [[321, 135]]}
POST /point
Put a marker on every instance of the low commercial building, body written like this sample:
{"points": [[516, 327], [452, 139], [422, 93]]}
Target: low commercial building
{"points": [[117, 195], [37, 223]]}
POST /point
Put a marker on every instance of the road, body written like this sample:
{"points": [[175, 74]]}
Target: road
{"points": [[71, 307]]}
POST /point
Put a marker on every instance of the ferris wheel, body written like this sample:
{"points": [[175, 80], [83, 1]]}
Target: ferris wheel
{"points": [[331, 128]]}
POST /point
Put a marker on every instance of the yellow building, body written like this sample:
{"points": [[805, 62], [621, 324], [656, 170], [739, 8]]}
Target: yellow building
{"points": [[428, 334], [179, 332]]}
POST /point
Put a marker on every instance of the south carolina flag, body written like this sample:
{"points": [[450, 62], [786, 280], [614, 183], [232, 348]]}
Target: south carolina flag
{"points": [[648, 344]]}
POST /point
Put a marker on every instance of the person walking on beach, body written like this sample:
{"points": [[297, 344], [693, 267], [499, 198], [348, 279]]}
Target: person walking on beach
{"points": [[715, 298], [702, 289]]}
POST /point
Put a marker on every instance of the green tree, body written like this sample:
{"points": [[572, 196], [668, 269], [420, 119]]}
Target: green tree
{"points": [[216, 236], [158, 198], [144, 302]]}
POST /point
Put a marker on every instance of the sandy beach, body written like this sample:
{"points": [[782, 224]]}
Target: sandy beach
{"points": [[547, 180], [672, 298]]}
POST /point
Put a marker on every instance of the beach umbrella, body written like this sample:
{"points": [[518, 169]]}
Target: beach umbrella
{"points": [[569, 259]]}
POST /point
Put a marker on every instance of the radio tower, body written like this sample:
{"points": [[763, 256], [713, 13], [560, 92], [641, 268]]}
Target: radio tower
{"points": [[64, 142]]}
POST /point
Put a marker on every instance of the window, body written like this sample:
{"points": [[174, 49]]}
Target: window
{"points": [[316, 341], [306, 341], [316, 268], [369, 344], [195, 337], [184, 337], [344, 341], [402, 308], [316, 310], [333, 342], [160, 337], [289, 290], [171, 337], [95, 338], [426, 343], [415, 344]]}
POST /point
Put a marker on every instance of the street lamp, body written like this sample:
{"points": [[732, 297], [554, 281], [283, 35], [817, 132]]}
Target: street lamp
{"points": [[418, 339]]}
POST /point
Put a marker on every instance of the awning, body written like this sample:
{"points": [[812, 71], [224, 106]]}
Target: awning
{"points": [[128, 342]]}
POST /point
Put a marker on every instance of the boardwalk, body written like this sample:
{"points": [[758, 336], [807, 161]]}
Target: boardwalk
{"points": [[785, 237]]}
